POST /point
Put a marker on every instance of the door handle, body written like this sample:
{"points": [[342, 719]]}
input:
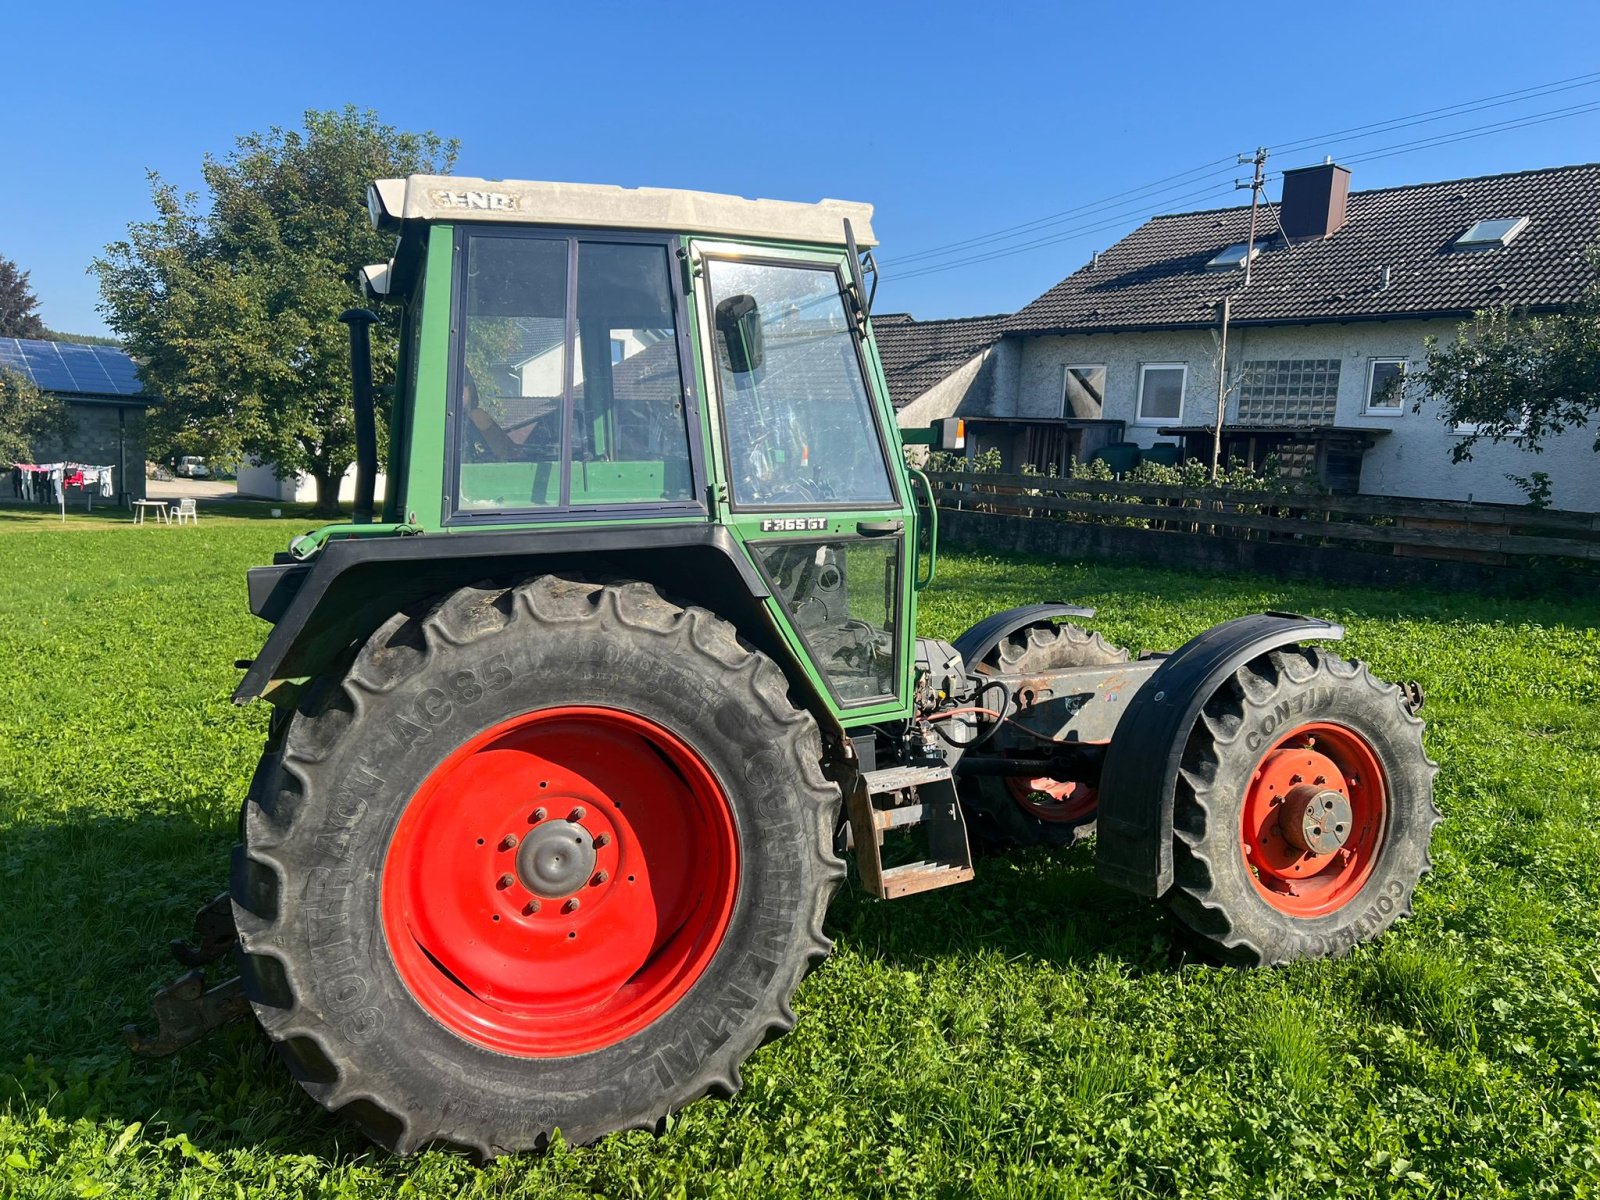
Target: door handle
{"points": [[879, 528]]}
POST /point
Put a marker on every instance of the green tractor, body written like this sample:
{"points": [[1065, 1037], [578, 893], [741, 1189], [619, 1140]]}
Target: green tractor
{"points": [[572, 741]]}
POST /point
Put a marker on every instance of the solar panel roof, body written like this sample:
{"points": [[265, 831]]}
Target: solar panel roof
{"points": [[66, 367]]}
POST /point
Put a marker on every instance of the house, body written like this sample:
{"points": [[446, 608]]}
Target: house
{"points": [[935, 368], [1343, 289], [104, 398]]}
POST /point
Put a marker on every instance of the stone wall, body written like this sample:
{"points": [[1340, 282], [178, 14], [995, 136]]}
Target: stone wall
{"points": [[103, 435]]}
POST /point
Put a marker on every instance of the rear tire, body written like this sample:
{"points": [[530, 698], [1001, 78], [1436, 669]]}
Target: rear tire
{"points": [[1293, 732], [1041, 812], [435, 967]]}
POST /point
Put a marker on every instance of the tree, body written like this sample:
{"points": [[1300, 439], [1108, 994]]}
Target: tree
{"points": [[232, 311], [19, 315], [27, 418], [1510, 374]]}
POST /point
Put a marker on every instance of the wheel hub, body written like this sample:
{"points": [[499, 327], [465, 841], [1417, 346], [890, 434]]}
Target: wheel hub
{"points": [[556, 859], [1315, 819]]}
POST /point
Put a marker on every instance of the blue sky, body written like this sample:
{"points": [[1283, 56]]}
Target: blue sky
{"points": [[955, 121]]}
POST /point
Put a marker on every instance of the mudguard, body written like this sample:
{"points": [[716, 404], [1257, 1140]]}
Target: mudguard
{"points": [[1134, 841], [320, 607], [988, 633]]}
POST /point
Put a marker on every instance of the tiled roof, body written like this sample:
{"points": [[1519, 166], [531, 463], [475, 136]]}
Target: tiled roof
{"points": [[918, 354], [1156, 276]]}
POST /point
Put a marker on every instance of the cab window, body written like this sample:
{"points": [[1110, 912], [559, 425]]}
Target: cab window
{"points": [[570, 386], [795, 408]]}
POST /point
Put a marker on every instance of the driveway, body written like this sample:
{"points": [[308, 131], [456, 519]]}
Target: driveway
{"points": [[200, 489]]}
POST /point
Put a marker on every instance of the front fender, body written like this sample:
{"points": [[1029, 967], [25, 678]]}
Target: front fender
{"points": [[1134, 838]]}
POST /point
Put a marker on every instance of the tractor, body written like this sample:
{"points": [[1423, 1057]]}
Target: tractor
{"points": [[571, 741]]}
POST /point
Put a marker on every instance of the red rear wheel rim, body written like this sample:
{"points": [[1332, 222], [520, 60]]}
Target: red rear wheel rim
{"points": [[1054, 800], [1316, 762], [560, 881]]}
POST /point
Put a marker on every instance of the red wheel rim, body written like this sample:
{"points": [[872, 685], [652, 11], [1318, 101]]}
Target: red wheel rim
{"points": [[1056, 800], [1302, 777], [560, 881]]}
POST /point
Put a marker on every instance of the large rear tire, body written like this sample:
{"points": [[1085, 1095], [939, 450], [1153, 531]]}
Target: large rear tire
{"points": [[1304, 810], [553, 856], [1019, 811]]}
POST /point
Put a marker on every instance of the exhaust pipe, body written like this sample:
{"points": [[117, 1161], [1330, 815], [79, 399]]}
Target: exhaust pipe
{"points": [[361, 321]]}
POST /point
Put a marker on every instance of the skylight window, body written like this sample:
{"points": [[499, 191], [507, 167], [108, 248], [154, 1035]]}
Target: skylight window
{"points": [[1232, 256], [1492, 234]]}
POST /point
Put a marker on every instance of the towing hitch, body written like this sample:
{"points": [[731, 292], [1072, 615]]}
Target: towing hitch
{"points": [[185, 1010]]}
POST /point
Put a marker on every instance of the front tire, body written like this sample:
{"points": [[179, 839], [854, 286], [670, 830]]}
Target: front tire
{"points": [[1304, 810], [553, 856]]}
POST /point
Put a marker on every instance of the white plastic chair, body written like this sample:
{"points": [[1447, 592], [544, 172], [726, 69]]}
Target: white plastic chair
{"points": [[184, 510]]}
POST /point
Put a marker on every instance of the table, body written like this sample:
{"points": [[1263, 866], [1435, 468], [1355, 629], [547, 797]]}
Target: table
{"points": [[139, 507]]}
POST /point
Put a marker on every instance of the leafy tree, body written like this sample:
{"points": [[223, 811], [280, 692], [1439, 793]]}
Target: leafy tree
{"points": [[232, 310], [19, 315], [28, 417], [1510, 374]]}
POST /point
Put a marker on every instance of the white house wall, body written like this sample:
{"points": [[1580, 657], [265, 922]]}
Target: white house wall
{"points": [[1413, 460], [965, 392], [258, 481]]}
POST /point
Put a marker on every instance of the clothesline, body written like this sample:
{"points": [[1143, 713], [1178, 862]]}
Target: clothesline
{"points": [[47, 483]]}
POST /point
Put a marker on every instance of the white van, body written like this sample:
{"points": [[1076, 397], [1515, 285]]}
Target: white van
{"points": [[193, 467]]}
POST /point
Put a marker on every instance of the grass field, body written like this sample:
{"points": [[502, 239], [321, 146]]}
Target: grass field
{"points": [[1031, 1034]]}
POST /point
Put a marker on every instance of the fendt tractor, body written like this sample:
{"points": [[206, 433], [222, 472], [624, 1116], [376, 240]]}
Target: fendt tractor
{"points": [[571, 742]]}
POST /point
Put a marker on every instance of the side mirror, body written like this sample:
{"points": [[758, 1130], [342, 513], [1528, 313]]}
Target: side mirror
{"points": [[739, 322]]}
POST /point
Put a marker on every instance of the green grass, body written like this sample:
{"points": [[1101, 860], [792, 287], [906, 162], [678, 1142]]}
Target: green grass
{"points": [[1031, 1034]]}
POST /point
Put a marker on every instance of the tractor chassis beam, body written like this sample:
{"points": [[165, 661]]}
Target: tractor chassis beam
{"points": [[1075, 704]]}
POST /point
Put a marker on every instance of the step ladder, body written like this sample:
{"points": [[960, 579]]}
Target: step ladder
{"points": [[898, 797]]}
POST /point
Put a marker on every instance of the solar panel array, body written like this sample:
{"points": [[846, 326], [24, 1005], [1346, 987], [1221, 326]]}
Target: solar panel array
{"points": [[65, 367]]}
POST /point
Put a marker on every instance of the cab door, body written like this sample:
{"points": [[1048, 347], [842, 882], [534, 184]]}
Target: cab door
{"points": [[803, 441]]}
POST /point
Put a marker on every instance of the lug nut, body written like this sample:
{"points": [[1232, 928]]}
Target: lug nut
{"points": [[531, 907], [599, 878], [538, 815], [509, 842], [504, 881], [571, 905], [1320, 779], [577, 814], [603, 839]]}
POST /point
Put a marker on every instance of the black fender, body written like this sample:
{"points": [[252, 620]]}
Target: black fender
{"points": [[1134, 840], [975, 643], [322, 606]]}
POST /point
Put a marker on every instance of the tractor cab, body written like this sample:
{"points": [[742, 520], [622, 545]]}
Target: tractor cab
{"points": [[584, 358]]}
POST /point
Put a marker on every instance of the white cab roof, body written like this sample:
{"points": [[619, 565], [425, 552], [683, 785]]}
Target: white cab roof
{"points": [[605, 206]]}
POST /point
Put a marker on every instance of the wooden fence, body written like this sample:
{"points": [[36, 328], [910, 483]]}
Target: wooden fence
{"points": [[1494, 534]]}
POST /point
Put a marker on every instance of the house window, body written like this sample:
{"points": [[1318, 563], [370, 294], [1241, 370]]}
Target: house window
{"points": [[1084, 391], [1230, 257], [1385, 387], [1491, 234], [1161, 392], [1289, 391]]}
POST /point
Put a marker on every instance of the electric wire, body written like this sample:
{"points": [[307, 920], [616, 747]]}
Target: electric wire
{"points": [[1151, 191]]}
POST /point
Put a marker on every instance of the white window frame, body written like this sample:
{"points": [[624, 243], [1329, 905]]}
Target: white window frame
{"points": [[1138, 401], [1399, 410], [1066, 374]]}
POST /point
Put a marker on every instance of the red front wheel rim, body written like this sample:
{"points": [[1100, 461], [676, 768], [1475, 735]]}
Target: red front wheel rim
{"points": [[560, 881], [1314, 819]]}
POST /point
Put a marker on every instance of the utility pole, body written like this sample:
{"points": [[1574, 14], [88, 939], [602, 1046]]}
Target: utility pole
{"points": [[1256, 184], [1259, 181], [1225, 308]]}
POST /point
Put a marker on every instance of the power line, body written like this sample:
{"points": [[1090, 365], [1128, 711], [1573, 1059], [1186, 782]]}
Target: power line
{"points": [[1111, 222], [1475, 131], [1498, 100], [1151, 191], [1079, 210]]}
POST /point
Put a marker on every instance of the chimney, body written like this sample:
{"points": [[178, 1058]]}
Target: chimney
{"points": [[1313, 201]]}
